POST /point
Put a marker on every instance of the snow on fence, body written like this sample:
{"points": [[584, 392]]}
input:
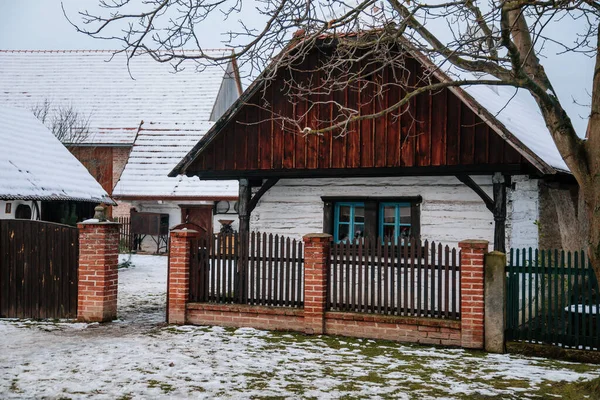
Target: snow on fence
{"points": [[410, 279]]}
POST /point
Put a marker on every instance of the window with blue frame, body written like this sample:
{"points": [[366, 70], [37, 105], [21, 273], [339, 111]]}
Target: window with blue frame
{"points": [[395, 221], [349, 221]]}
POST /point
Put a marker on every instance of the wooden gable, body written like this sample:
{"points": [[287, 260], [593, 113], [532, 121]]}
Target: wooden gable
{"points": [[436, 133]]}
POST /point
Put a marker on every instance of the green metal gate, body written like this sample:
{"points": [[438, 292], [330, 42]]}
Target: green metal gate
{"points": [[552, 298]]}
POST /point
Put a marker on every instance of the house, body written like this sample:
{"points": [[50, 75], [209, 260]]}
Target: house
{"points": [[127, 104], [461, 162], [39, 178]]}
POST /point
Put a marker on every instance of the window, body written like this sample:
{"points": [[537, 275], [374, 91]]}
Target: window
{"points": [[23, 211], [395, 221], [352, 218], [349, 221]]}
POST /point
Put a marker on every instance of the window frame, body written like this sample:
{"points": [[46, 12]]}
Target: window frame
{"points": [[351, 223], [397, 224], [372, 212]]}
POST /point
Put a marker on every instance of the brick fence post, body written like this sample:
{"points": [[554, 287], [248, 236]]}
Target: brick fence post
{"points": [[98, 275], [317, 248], [178, 280], [472, 253]]}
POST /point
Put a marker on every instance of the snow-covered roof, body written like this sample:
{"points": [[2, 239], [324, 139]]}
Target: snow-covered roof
{"points": [[521, 116], [99, 85], [34, 165], [156, 151]]}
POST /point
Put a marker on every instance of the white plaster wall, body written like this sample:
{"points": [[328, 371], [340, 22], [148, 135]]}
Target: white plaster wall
{"points": [[450, 211], [14, 205], [523, 209]]}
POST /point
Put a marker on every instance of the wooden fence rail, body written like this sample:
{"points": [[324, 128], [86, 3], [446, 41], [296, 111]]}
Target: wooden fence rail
{"points": [[270, 272], [410, 279]]}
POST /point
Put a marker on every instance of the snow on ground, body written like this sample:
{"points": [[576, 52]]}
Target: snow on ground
{"points": [[139, 356]]}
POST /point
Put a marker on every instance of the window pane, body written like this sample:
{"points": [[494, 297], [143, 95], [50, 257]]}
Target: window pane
{"points": [[405, 231], [344, 214], [343, 232], [359, 231], [405, 215], [389, 231], [359, 214], [389, 214]]}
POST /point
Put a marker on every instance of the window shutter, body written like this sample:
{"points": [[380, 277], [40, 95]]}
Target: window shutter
{"points": [[371, 219]]}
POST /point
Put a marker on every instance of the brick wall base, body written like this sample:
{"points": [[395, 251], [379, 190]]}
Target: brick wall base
{"points": [[403, 329], [237, 316]]}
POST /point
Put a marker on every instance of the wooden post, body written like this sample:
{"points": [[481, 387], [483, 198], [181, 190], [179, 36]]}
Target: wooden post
{"points": [[499, 212], [244, 233]]}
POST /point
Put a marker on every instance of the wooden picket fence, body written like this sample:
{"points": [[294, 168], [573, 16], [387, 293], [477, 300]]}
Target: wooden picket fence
{"points": [[270, 272], [553, 298], [412, 278], [38, 269], [126, 238]]}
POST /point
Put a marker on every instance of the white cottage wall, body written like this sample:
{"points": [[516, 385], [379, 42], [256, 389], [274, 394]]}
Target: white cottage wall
{"points": [[523, 210], [450, 211]]}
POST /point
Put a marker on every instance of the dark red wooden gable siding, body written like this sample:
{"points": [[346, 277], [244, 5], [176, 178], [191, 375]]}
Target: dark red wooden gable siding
{"points": [[435, 129]]}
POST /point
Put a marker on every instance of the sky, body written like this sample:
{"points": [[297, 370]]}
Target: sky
{"points": [[41, 25]]}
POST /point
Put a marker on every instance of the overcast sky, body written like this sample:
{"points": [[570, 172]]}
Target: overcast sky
{"points": [[40, 25]]}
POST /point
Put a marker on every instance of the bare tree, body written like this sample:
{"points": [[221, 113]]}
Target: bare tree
{"points": [[491, 43], [65, 122]]}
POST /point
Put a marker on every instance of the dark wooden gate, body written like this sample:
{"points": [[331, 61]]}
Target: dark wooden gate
{"points": [[553, 298], [38, 269]]}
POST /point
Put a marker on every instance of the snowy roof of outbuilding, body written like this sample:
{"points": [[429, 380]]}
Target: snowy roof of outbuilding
{"points": [[34, 165], [99, 85], [156, 151]]}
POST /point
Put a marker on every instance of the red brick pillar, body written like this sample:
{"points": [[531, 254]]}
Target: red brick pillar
{"points": [[472, 256], [98, 275], [316, 269], [178, 281]]}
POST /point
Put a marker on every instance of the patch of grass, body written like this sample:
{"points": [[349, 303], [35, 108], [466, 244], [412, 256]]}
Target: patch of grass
{"points": [[14, 387], [572, 390], [372, 377], [126, 396], [165, 387]]}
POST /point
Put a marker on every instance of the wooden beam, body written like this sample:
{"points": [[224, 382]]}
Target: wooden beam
{"points": [[467, 180], [499, 212], [269, 183], [244, 206]]}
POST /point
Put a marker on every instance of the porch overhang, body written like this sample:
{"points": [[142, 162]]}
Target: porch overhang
{"points": [[453, 170]]}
